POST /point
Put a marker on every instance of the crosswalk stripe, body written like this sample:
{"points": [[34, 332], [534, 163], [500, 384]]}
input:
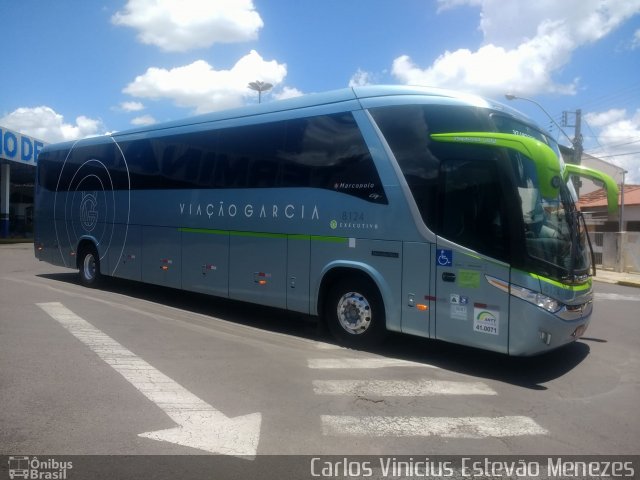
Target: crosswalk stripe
{"points": [[450, 427], [362, 363], [328, 346], [399, 388], [617, 297]]}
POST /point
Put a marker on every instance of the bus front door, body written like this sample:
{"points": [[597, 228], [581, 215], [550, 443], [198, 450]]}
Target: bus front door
{"points": [[470, 309]]}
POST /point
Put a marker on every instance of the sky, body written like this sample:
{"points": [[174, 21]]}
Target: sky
{"points": [[78, 68]]}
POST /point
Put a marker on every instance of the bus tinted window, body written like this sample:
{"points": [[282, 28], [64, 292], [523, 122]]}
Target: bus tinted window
{"points": [[407, 132], [326, 152], [329, 152], [474, 209], [81, 168], [456, 187]]}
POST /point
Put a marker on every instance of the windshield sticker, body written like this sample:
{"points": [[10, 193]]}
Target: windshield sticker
{"points": [[486, 320], [488, 140], [458, 312], [456, 299], [468, 278]]}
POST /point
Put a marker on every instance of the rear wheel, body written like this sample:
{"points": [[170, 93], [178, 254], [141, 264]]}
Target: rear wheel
{"points": [[89, 266], [354, 313]]}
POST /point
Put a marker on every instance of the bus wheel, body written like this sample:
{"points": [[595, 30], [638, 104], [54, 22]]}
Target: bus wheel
{"points": [[89, 267], [354, 313]]}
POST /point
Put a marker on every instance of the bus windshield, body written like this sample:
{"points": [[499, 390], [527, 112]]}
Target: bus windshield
{"points": [[554, 239], [485, 197]]}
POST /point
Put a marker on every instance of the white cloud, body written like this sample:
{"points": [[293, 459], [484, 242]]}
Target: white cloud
{"points": [[520, 56], [635, 43], [200, 87], [144, 120], [360, 78], [44, 123], [181, 25], [618, 140], [602, 119], [287, 92], [131, 106]]}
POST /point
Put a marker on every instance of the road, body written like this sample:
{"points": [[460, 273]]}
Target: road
{"points": [[133, 369]]}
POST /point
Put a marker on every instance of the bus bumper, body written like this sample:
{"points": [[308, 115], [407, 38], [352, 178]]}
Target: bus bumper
{"points": [[533, 331]]}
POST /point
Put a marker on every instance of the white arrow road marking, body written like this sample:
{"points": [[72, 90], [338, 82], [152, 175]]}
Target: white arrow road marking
{"points": [[364, 363], [399, 388], [452, 427], [199, 424]]}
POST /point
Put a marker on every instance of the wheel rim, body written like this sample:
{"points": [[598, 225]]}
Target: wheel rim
{"points": [[89, 267], [354, 313]]}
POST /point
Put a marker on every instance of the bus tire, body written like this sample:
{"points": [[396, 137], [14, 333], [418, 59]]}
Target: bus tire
{"points": [[89, 266], [354, 313]]}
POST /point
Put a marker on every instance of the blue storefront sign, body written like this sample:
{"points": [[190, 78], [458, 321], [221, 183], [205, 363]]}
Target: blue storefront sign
{"points": [[20, 148]]}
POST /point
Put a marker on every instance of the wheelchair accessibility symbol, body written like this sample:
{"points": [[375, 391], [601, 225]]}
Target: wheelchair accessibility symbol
{"points": [[444, 258]]}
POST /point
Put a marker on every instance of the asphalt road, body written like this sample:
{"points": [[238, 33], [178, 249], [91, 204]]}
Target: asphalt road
{"points": [[132, 369]]}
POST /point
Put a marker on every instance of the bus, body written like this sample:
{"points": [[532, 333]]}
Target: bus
{"points": [[378, 208]]}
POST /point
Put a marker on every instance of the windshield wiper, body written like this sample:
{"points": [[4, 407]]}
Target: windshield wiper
{"points": [[576, 216], [586, 233]]}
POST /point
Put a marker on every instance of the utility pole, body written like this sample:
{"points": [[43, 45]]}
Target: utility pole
{"points": [[577, 140]]}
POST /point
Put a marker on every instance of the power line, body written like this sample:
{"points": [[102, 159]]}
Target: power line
{"points": [[620, 94], [591, 130], [619, 154], [616, 145]]}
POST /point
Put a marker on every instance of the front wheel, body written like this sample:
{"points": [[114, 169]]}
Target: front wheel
{"points": [[89, 267], [354, 313]]}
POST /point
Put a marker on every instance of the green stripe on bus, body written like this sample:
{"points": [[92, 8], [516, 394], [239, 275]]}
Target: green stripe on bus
{"points": [[574, 288], [238, 233], [203, 230]]}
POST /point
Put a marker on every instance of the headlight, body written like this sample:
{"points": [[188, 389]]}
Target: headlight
{"points": [[538, 299]]}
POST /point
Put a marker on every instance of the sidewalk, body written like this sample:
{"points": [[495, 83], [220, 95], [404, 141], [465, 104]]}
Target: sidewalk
{"points": [[11, 241], [625, 279]]}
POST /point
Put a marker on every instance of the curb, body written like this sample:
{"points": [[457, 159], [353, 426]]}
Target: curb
{"points": [[623, 283]]}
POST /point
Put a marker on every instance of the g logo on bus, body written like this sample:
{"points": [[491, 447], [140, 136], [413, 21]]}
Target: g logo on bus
{"points": [[88, 212]]}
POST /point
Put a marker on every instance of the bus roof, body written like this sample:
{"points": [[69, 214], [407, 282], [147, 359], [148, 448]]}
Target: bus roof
{"points": [[326, 98], [353, 94]]}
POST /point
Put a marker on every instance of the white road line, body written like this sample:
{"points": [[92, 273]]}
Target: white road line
{"points": [[450, 427], [617, 297], [363, 363], [399, 388], [200, 425]]}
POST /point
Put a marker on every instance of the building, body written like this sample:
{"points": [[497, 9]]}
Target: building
{"points": [[594, 207], [18, 156]]}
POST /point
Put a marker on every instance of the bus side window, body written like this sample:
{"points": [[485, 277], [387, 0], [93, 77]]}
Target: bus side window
{"points": [[406, 130], [473, 207], [232, 165], [329, 152], [267, 140]]}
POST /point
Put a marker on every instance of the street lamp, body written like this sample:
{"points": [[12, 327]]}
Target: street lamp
{"points": [[260, 86], [510, 96], [576, 142]]}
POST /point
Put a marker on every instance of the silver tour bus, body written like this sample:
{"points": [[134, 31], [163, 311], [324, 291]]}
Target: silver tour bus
{"points": [[378, 209]]}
